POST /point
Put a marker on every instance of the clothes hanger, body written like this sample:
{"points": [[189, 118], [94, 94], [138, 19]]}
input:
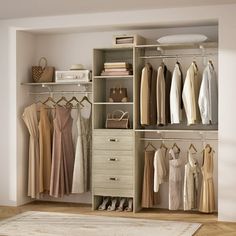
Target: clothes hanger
{"points": [[74, 99], [149, 144], [62, 99], [176, 146], [195, 63], [163, 145], [211, 63], [85, 98], [49, 99], [193, 147]]}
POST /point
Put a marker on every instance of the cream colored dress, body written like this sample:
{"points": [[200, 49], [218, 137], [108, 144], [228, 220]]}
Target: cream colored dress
{"points": [[31, 120], [175, 180], [82, 167], [191, 182], [207, 196]]}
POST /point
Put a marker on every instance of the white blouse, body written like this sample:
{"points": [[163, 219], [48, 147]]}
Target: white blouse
{"points": [[175, 96], [208, 96]]}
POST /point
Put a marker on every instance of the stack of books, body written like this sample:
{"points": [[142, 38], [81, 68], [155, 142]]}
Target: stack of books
{"points": [[117, 69]]}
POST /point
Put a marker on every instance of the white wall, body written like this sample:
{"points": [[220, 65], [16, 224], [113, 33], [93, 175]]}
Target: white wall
{"points": [[227, 126]]}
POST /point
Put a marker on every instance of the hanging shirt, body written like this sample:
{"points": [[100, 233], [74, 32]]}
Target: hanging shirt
{"points": [[145, 95], [160, 170], [176, 105], [161, 96], [190, 95], [208, 96]]}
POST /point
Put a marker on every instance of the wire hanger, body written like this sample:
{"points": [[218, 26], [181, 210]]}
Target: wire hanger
{"points": [[62, 99], [149, 144], [49, 99], [163, 145], [85, 98], [74, 99], [176, 146], [192, 147], [211, 63]]}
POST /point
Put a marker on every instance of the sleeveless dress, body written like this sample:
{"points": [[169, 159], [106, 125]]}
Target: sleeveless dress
{"points": [[175, 181], [207, 196], [82, 168], [31, 121], [62, 153]]}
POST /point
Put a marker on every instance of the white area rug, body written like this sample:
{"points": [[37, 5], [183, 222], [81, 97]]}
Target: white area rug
{"points": [[60, 224]]}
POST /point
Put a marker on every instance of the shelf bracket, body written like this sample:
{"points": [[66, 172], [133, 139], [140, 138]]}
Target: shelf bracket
{"points": [[49, 88]]}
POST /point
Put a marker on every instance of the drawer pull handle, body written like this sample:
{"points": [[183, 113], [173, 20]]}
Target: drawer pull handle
{"points": [[113, 179], [112, 159], [113, 140]]}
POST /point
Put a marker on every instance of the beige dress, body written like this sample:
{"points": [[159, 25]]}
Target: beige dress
{"points": [[207, 196], [191, 182], [145, 94], [31, 121], [149, 198], [45, 147], [62, 154], [82, 167], [175, 180]]}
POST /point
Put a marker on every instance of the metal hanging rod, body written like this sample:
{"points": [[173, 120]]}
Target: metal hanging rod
{"points": [[60, 92], [179, 139], [178, 56]]}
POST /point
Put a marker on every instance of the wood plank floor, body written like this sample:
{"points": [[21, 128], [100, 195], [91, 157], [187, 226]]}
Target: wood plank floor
{"points": [[211, 227]]}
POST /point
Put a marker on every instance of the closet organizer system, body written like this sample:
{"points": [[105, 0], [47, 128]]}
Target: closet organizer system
{"points": [[123, 160], [59, 122]]}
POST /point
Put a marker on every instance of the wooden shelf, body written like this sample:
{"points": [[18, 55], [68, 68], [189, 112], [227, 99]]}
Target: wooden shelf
{"points": [[113, 103], [176, 130], [57, 83], [114, 77]]}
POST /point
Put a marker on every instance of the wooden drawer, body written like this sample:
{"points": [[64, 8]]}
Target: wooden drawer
{"points": [[112, 181], [113, 192], [113, 162], [113, 140]]}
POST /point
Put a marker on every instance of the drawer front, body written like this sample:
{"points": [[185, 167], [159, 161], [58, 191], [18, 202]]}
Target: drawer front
{"points": [[112, 181], [113, 162], [112, 140], [113, 192]]}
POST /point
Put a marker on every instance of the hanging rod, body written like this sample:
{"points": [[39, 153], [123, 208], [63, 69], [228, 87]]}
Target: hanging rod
{"points": [[59, 92], [178, 56], [179, 139]]}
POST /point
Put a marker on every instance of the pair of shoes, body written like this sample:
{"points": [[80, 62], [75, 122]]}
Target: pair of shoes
{"points": [[129, 208], [112, 207], [104, 204], [121, 205]]}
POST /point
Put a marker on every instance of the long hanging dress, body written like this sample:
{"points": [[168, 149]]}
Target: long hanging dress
{"points": [[145, 94], [62, 154], [191, 182], [31, 121], [45, 146], [207, 196], [82, 167], [149, 198], [175, 181]]}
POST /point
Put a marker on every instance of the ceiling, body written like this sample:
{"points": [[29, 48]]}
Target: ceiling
{"points": [[33, 8]]}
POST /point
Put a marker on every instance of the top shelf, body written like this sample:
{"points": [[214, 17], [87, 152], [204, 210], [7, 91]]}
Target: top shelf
{"points": [[180, 46], [57, 83]]}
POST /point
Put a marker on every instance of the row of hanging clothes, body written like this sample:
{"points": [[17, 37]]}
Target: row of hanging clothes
{"points": [[164, 96], [192, 190], [59, 146]]}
